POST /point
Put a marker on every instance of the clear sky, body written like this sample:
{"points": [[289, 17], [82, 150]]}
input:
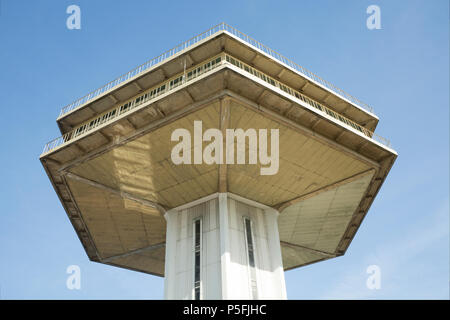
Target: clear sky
{"points": [[402, 70]]}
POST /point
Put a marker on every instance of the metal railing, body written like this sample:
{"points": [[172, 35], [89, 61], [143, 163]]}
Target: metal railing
{"points": [[220, 27], [140, 69], [189, 75], [311, 102], [148, 95], [295, 66]]}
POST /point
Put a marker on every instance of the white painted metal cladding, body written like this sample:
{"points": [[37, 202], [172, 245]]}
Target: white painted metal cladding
{"points": [[225, 271]]}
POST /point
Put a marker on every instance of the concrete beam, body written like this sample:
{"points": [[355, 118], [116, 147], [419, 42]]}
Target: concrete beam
{"points": [[297, 127], [281, 206], [138, 86], [140, 132], [340, 135], [189, 95], [87, 237], [261, 96], [323, 253], [280, 74], [126, 120], [113, 98], [255, 57], [126, 254], [303, 87], [288, 110], [123, 194], [327, 95], [52, 162], [316, 123]]}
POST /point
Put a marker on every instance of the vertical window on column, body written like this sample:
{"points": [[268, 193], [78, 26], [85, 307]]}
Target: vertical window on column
{"points": [[197, 257], [251, 256]]}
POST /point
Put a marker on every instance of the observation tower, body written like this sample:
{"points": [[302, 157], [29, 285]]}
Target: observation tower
{"points": [[217, 165]]}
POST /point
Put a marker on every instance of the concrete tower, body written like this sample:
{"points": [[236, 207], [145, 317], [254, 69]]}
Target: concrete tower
{"points": [[218, 165]]}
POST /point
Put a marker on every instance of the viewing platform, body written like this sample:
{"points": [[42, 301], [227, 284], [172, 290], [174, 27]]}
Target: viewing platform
{"points": [[298, 82], [215, 225]]}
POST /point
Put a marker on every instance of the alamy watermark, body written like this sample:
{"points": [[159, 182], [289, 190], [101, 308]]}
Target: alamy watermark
{"points": [[73, 281], [373, 282], [74, 20], [214, 152], [374, 20]]}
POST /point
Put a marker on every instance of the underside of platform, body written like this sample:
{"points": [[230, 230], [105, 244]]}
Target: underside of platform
{"points": [[116, 184]]}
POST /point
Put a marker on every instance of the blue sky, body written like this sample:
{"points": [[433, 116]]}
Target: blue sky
{"points": [[401, 70]]}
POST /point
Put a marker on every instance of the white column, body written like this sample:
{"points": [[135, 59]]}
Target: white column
{"points": [[171, 243], [224, 245], [275, 251], [225, 271]]}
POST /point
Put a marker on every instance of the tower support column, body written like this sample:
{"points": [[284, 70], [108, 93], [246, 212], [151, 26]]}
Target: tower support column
{"points": [[223, 247]]}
